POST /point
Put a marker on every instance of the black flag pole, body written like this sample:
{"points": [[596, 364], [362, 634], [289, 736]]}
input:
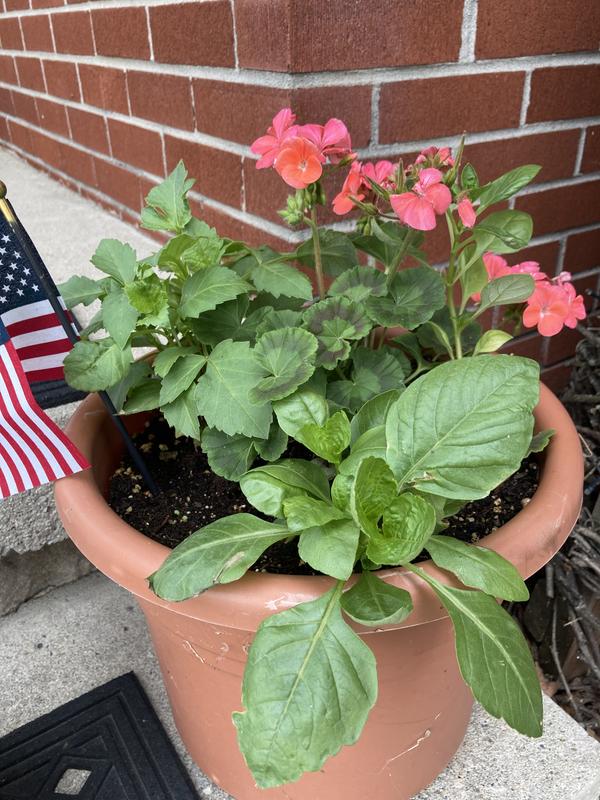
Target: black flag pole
{"points": [[50, 290]]}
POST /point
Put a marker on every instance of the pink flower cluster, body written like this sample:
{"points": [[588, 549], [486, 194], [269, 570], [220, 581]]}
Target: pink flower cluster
{"points": [[298, 152], [357, 184], [554, 302]]}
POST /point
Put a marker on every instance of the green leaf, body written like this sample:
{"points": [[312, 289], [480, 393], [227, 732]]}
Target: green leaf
{"points": [[167, 206], [134, 377], [506, 290], [373, 413], [272, 448], [415, 294], [180, 377], [408, 522], [293, 695], [370, 443], [359, 283], [222, 392], [329, 440], [93, 366], [169, 256], [228, 456], [225, 322], [340, 491], [164, 360], [503, 232], [273, 275], [372, 601], [491, 341], [540, 441], [274, 319], [209, 287], [221, 552], [374, 371], [493, 656], [144, 397], [507, 185], [287, 357], [473, 279], [306, 406], [337, 252], [334, 322], [182, 414], [464, 427], [373, 490], [302, 512], [468, 178], [116, 259], [478, 567], [149, 297], [119, 317], [205, 251], [331, 548], [79, 289], [268, 486]]}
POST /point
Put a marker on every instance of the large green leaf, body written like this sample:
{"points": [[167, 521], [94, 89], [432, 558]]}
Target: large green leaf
{"points": [[373, 490], [478, 567], [308, 688], [372, 601], [136, 376], [464, 427], [329, 440], [180, 377], [358, 284], [337, 252], [182, 414], [93, 366], [415, 294], [274, 446], [225, 322], [303, 407], [408, 522], [116, 259], [119, 317], [506, 185], [331, 548], [370, 443], [223, 391], [144, 397], [267, 487], [373, 372], [209, 287], [149, 296], [287, 357], [228, 456], [79, 289], [164, 360], [493, 656], [506, 290], [503, 232], [273, 275], [303, 511], [218, 553], [373, 413], [167, 206], [335, 322]]}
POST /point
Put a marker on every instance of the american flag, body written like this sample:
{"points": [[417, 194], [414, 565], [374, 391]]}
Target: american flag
{"points": [[33, 449], [34, 328]]}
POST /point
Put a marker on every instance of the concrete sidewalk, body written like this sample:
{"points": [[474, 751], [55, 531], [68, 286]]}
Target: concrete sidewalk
{"points": [[82, 635]]}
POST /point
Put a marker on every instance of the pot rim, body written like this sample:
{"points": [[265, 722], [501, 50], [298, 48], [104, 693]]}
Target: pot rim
{"points": [[128, 557]]}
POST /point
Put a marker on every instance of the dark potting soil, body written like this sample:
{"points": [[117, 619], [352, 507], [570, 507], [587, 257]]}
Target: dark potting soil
{"points": [[192, 496]]}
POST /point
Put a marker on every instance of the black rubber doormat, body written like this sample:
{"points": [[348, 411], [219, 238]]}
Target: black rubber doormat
{"points": [[107, 744], [50, 394]]}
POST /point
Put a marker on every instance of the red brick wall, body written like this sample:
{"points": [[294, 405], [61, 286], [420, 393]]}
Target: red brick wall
{"points": [[107, 95]]}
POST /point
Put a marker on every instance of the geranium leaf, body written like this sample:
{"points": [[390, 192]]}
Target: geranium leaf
{"points": [[93, 366], [506, 185], [372, 601], [408, 522], [225, 322], [273, 275], [135, 376], [331, 548], [472, 428], [337, 252], [209, 287], [221, 552], [228, 456], [302, 512], [503, 232], [292, 694], [373, 490], [335, 322], [287, 357], [167, 207], [329, 440], [205, 251], [415, 294], [478, 567], [181, 376], [164, 360], [494, 657], [267, 487], [273, 319], [182, 414], [119, 317], [358, 284], [116, 259], [223, 391]]}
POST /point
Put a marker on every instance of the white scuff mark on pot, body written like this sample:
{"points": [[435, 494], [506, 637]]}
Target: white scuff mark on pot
{"points": [[224, 647], [190, 647], [274, 604], [414, 746]]}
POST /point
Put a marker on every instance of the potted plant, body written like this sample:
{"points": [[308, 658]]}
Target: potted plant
{"points": [[356, 420]]}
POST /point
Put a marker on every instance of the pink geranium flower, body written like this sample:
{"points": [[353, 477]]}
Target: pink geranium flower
{"points": [[575, 304], [441, 157], [428, 197], [343, 202], [269, 146], [548, 308], [331, 139], [530, 268], [466, 212], [379, 173], [299, 162]]}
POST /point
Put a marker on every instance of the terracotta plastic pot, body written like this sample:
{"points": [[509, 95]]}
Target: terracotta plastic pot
{"points": [[423, 708]]}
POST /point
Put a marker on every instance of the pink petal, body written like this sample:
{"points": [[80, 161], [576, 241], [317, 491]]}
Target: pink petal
{"points": [[334, 132], [440, 197], [312, 132], [414, 211], [282, 121], [550, 324], [263, 144], [466, 212], [429, 176]]}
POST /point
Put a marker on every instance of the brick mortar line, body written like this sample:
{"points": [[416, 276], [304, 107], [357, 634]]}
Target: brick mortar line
{"points": [[468, 32], [307, 80], [235, 37], [92, 4], [580, 150], [374, 116], [526, 99], [373, 151]]}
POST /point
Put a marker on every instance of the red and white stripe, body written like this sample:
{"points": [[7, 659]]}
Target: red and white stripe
{"points": [[33, 449], [39, 339]]}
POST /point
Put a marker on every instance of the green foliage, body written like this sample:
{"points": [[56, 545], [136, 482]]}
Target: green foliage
{"points": [[415, 294], [266, 488], [167, 208], [94, 366], [372, 601], [287, 357]]}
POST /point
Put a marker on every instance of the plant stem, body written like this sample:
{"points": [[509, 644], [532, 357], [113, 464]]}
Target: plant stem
{"points": [[317, 249], [393, 267], [450, 286]]}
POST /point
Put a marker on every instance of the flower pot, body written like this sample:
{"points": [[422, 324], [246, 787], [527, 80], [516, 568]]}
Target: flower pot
{"points": [[423, 708]]}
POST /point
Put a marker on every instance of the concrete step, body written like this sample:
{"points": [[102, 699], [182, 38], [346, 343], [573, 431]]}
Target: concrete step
{"points": [[81, 635]]}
